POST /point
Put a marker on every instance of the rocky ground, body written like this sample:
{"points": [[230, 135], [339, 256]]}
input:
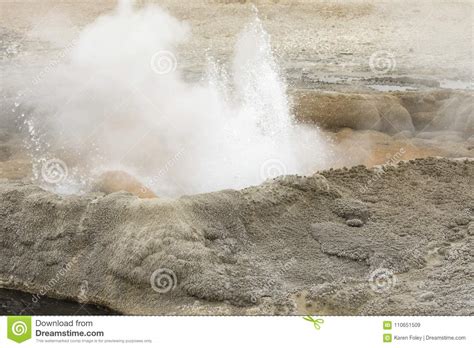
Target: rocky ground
{"points": [[387, 82], [394, 240]]}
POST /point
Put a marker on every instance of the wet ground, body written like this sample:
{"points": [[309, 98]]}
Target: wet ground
{"points": [[315, 41], [13, 302]]}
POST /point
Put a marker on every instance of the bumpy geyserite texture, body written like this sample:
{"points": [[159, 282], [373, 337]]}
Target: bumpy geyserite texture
{"points": [[256, 250]]}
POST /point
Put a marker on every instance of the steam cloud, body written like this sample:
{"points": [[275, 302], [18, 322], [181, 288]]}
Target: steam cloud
{"points": [[120, 102]]}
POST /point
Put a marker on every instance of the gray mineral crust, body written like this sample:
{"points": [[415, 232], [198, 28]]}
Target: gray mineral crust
{"points": [[279, 248]]}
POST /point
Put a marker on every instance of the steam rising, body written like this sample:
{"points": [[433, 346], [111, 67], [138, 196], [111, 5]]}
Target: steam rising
{"points": [[121, 102]]}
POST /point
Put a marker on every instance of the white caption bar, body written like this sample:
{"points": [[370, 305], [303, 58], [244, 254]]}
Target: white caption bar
{"points": [[52, 331]]}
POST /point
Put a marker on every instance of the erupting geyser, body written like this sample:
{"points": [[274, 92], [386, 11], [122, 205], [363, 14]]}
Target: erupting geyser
{"points": [[120, 103]]}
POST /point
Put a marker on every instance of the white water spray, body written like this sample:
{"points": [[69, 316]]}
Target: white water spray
{"points": [[121, 103]]}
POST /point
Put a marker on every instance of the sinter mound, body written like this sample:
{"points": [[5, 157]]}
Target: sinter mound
{"points": [[393, 240]]}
